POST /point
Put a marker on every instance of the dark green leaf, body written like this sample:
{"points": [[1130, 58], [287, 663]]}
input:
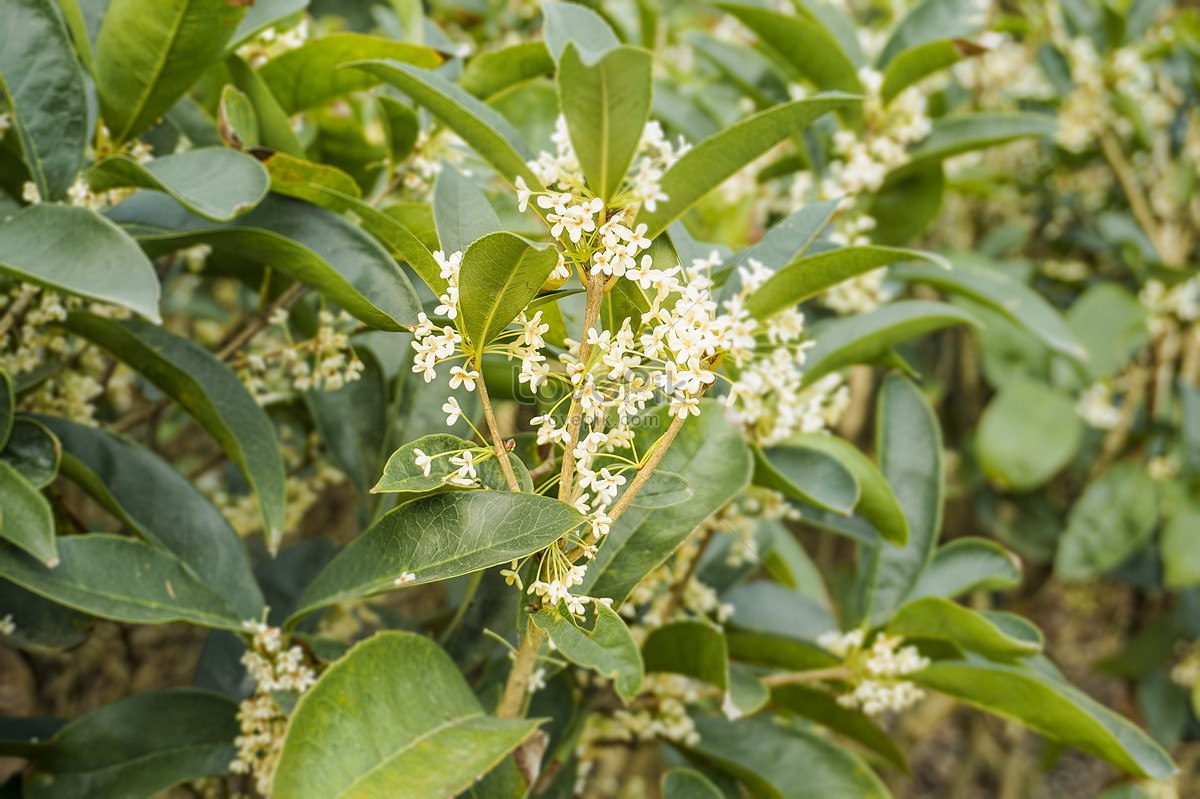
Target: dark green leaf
{"points": [[934, 617], [608, 647], [349, 421], [823, 708], [489, 74], [407, 725], [402, 476], [791, 237], [25, 516], [8, 406], [966, 565], [929, 21], [1115, 516], [461, 212], [501, 273], [683, 783], [964, 133], [438, 537], [692, 648], [207, 390], [33, 451], [41, 625], [402, 126], [807, 473], [274, 127], [97, 261], [1028, 433], [916, 63]]}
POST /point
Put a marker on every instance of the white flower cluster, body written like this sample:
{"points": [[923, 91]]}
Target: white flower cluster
{"points": [[767, 399], [326, 361], [877, 671], [270, 43], [263, 725], [1169, 307], [1096, 406]]}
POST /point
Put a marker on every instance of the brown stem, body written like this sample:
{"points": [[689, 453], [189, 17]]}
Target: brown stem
{"points": [[595, 295], [497, 439], [1138, 204], [260, 320], [1139, 379], [515, 689]]}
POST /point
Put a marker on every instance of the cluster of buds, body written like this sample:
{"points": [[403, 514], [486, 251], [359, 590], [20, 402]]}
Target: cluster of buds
{"points": [[326, 361], [877, 671]]}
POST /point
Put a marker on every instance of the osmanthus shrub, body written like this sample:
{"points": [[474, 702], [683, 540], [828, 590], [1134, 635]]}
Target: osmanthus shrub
{"points": [[250, 253]]}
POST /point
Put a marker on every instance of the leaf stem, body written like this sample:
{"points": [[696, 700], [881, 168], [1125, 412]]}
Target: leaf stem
{"points": [[512, 703], [595, 295], [494, 429], [260, 320]]}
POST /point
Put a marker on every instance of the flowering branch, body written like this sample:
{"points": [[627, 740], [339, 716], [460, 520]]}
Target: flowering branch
{"points": [[595, 295], [497, 440]]}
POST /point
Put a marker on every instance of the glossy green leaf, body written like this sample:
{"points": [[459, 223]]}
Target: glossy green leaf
{"points": [[402, 476], [803, 42], [489, 74], [480, 126], [921, 61], [25, 516], [965, 565], [1115, 516], [871, 335], [711, 456], [934, 617], [148, 56], [208, 391], [1052, 708], [963, 133], [1028, 433], [501, 273], [906, 206], [274, 126], [749, 69], [33, 451], [407, 725], [402, 127], [790, 237], [776, 761], [312, 74], [41, 625], [237, 122], [97, 261], [162, 506], [308, 180], [310, 244], [565, 22], [707, 165], [692, 648], [42, 84], [909, 446], [823, 708], [762, 606], [263, 14], [214, 182], [1001, 293], [437, 537], [607, 647], [929, 21], [461, 212], [778, 652], [809, 275], [606, 104], [121, 579], [181, 734], [684, 783], [807, 473]]}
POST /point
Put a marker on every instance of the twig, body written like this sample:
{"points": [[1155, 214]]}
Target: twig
{"points": [[497, 439], [595, 295], [1139, 378], [260, 320], [1138, 204], [517, 686]]}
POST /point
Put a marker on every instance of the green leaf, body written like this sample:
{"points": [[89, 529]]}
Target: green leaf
{"points": [[477, 124], [905, 206], [607, 648], [1115, 516], [1001, 293], [402, 126], [274, 127], [871, 335], [25, 516], [966, 565], [749, 69], [162, 507], [791, 237], [606, 104], [349, 421], [574, 22], [309, 244], [712, 458], [42, 85], [407, 725], [934, 617], [707, 165], [501, 273], [97, 261], [488, 75], [692, 648], [402, 476], [33, 451], [929, 21], [783, 762], [876, 503], [1179, 545], [808, 473], [767, 607], [8, 406], [964, 133], [438, 537], [909, 446], [683, 783], [1028, 433], [809, 275], [42, 626], [263, 14], [1052, 708], [804, 43], [823, 708], [778, 652], [214, 182], [148, 56], [1111, 324], [237, 121], [309, 181], [461, 213], [122, 579], [918, 62], [209, 392], [311, 75], [182, 734]]}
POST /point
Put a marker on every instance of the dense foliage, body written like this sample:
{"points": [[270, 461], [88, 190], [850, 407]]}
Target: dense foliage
{"points": [[627, 399]]}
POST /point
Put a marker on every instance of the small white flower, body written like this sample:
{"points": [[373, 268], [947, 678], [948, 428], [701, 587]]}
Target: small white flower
{"points": [[405, 578], [424, 462], [462, 377], [452, 411]]}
